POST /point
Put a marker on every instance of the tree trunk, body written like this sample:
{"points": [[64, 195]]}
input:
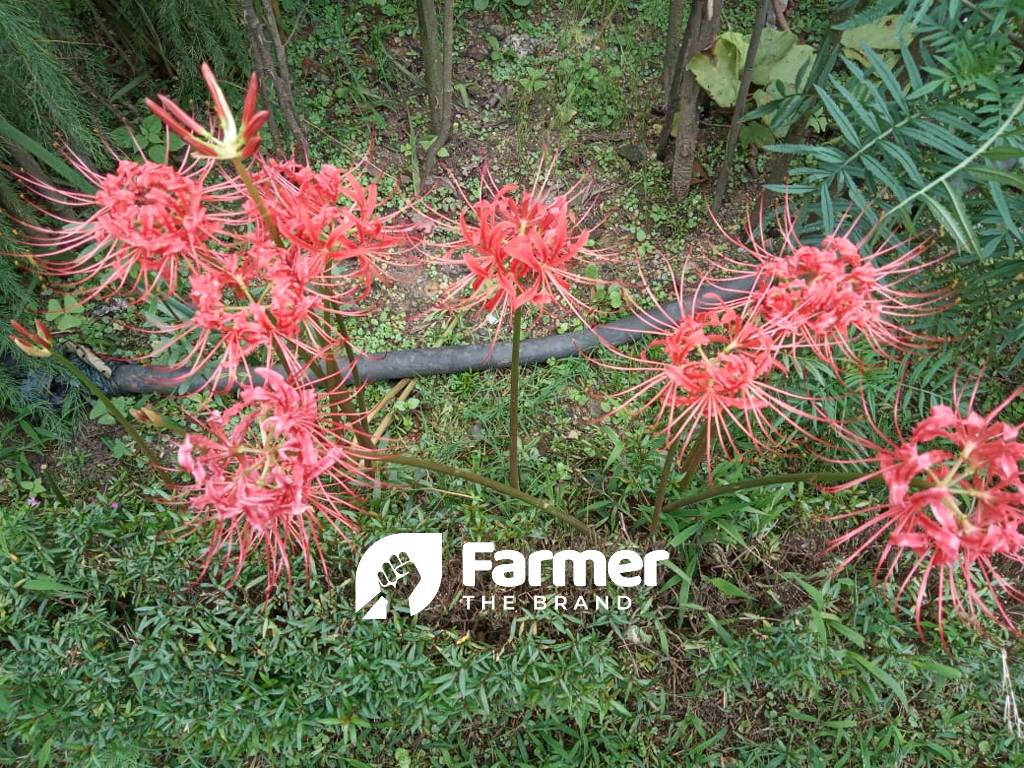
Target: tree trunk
{"points": [[689, 93], [433, 61], [684, 51], [283, 81], [446, 114], [673, 39], [741, 100], [262, 62]]}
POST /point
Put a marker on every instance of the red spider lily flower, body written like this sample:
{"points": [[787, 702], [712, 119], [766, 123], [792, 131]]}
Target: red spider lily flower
{"points": [[146, 223], [235, 141], [818, 296], [331, 211], [708, 373], [270, 477], [520, 247], [38, 344], [264, 303], [954, 511]]}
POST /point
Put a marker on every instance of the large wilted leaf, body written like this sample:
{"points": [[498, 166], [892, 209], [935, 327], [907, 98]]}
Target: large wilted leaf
{"points": [[779, 59], [787, 69], [718, 71]]}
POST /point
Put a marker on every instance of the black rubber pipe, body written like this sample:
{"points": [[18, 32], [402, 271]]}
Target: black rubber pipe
{"points": [[130, 379]]}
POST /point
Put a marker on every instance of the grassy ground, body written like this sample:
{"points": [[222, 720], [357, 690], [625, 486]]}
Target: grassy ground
{"points": [[753, 653]]}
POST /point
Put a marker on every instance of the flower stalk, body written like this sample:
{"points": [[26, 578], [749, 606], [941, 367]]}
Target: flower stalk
{"points": [[714, 491], [513, 420], [257, 199], [690, 463], [494, 485], [353, 369], [671, 453], [112, 409]]}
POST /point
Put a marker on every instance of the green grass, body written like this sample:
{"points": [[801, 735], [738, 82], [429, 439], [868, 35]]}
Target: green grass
{"points": [[750, 655]]}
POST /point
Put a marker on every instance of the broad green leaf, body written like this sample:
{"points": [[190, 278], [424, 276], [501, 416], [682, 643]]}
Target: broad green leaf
{"points": [[787, 69], [121, 137], [772, 48], [47, 584], [886, 34], [757, 134], [151, 124]]}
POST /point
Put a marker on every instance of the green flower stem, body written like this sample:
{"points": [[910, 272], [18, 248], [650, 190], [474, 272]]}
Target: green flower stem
{"points": [[494, 485], [357, 381], [112, 409], [345, 408], [761, 482], [666, 470], [513, 394], [254, 194], [690, 464]]}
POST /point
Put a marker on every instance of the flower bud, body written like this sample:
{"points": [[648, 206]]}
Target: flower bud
{"points": [[147, 415], [38, 344], [236, 140]]}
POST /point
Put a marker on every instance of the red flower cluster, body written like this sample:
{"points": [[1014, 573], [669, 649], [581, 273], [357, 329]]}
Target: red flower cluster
{"points": [[268, 475], [266, 302], [956, 502], [329, 211], [519, 247], [269, 257], [149, 223], [265, 266], [817, 296], [708, 373]]}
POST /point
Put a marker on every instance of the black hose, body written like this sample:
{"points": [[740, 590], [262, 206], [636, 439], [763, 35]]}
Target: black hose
{"points": [[130, 379]]}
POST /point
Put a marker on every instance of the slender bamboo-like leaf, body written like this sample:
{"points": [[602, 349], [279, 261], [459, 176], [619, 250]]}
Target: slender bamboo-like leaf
{"points": [[44, 155]]}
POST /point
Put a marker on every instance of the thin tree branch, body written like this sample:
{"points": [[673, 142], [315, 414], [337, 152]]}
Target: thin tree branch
{"points": [[741, 100], [282, 81]]}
